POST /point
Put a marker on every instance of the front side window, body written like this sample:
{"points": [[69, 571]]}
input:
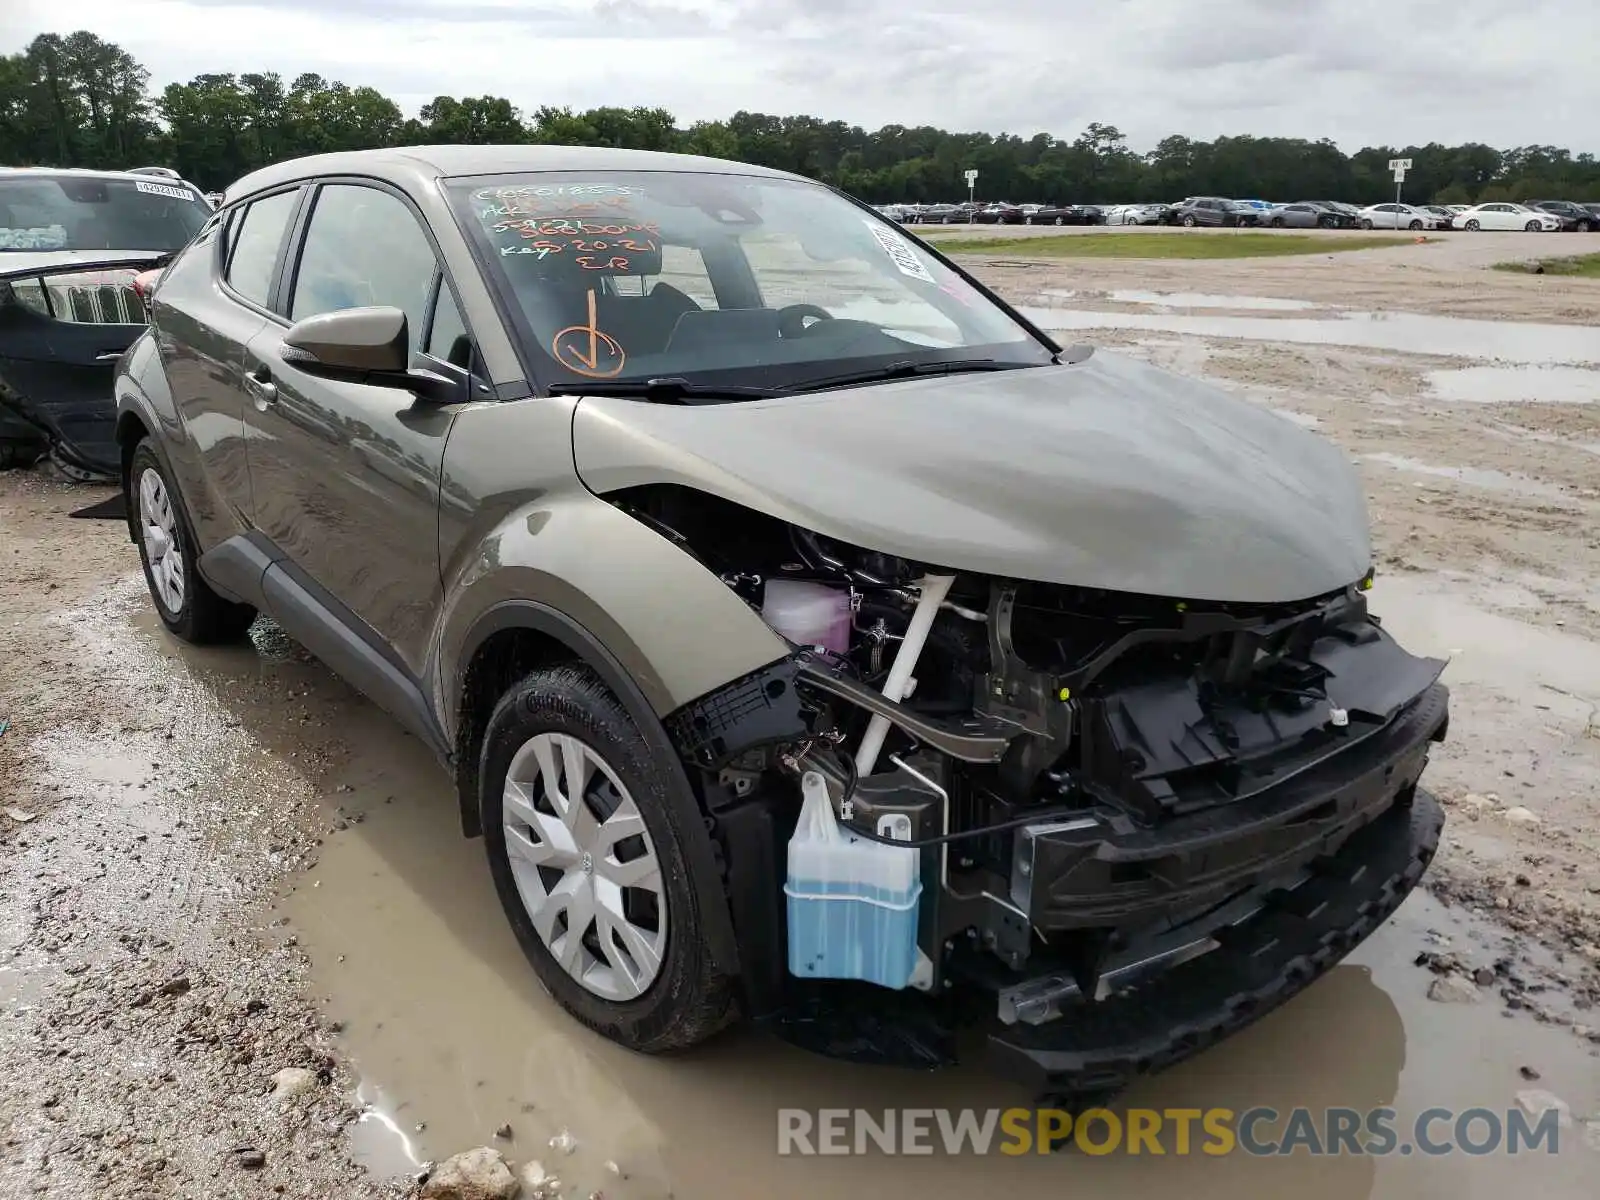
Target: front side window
{"points": [[254, 238], [721, 279], [82, 212], [363, 247]]}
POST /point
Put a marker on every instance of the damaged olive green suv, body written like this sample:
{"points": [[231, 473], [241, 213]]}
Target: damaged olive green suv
{"points": [[653, 492]]}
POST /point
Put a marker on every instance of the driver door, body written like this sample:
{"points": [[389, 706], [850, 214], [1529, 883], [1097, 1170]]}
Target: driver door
{"points": [[345, 475]]}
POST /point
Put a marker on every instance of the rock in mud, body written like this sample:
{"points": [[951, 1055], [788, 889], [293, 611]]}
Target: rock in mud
{"points": [[1536, 1101], [292, 1082], [1521, 816], [479, 1174], [1453, 989], [248, 1158], [1483, 977], [537, 1183]]}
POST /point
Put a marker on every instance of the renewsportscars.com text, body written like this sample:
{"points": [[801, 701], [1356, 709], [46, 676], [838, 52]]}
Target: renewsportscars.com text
{"points": [[1258, 1132]]}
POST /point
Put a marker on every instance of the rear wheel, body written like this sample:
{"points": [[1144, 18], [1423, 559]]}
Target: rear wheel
{"points": [[589, 856], [1584, 226], [1061, 220], [184, 602]]}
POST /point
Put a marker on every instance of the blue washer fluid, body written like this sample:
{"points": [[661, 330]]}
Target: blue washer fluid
{"points": [[852, 902]]}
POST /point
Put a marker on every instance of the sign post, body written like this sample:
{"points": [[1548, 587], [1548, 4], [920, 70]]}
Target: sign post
{"points": [[1399, 166], [972, 184]]}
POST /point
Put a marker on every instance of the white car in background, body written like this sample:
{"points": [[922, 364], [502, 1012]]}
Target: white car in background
{"points": [[1504, 215], [1134, 214], [1400, 216]]}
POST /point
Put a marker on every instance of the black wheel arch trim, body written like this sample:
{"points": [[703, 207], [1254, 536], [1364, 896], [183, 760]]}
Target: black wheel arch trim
{"points": [[705, 874]]}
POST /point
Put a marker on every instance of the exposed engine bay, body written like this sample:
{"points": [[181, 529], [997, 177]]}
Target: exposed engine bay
{"points": [[1101, 786]]}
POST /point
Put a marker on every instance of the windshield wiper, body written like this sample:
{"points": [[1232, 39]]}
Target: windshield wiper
{"points": [[668, 389], [905, 369]]}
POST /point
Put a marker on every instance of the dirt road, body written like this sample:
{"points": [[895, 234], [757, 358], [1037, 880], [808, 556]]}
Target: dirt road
{"points": [[219, 866]]}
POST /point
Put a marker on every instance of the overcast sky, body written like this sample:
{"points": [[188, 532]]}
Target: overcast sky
{"points": [[1362, 72]]}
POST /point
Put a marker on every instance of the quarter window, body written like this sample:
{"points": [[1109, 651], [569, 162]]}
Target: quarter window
{"points": [[363, 248], [256, 240], [447, 338]]}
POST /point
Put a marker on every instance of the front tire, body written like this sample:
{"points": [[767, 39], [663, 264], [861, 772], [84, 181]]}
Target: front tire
{"points": [[1415, 225], [167, 549], [1473, 226], [1365, 223], [1189, 222], [1531, 227], [596, 886]]}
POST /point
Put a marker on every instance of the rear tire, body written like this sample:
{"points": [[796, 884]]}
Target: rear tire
{"points": [[670, 996], [167, 549]]}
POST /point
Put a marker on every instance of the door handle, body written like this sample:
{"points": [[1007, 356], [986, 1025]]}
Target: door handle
{"points": [[108, 356], [259, 384]]}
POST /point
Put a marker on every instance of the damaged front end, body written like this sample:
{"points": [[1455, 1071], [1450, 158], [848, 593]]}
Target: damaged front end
{"points": [[1140, 821], [63, 326]]}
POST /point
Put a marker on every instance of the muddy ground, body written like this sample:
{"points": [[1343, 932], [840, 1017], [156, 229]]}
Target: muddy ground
{"points": [[218, 865]]}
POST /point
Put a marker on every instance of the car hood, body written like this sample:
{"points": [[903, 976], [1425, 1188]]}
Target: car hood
{"points": [[1104, 473]]}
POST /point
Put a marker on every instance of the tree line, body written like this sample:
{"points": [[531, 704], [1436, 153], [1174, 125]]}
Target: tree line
{"points": [[77, 100]]}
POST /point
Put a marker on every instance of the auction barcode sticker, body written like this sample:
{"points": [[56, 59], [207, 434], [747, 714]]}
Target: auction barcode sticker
{"points": [[899, 251], [164, 189]]}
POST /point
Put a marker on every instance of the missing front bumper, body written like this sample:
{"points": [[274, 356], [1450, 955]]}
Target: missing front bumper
{"points": [[1294, 938]]}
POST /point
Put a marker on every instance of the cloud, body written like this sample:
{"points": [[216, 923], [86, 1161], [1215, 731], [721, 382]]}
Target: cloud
{"points": [[1362, 72]]}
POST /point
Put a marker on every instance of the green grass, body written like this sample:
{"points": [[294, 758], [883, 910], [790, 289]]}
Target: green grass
{"points": [[1586, 266], [1189, 244]]}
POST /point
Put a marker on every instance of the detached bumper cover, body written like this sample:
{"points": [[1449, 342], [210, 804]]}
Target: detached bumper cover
{"points": [[1259, 963]]}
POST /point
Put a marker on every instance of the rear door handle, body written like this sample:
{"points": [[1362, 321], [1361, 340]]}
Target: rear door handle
{"points": [[259, 384]]}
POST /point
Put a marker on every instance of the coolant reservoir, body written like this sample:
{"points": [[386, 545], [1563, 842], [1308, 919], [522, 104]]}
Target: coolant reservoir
{"points": [[808, 614]]}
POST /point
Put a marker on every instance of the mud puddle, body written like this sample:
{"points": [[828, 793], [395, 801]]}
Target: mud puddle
{"points": [[1185, 299], [1411, 333], [1478, 477], [1517, 385]]}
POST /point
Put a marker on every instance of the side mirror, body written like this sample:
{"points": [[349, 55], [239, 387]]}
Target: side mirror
{"points": [[364, 345]]}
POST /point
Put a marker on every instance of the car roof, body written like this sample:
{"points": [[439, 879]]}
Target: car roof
{"points": [[81, 173], [423, 164]]}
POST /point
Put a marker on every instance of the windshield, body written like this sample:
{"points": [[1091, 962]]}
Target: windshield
{"points": [[70, 212], [719, 279]]}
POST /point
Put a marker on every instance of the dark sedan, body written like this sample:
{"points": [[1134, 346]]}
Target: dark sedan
{"points": [[1054, 214], [1573, 217], [999, 214]]}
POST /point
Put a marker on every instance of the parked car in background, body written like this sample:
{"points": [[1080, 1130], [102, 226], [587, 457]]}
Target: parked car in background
{"points": [[941, 214], [1202, 210], [1093, 214], [1574, 217], [1399, 216], [1444, 214], [1054, 214], [998, 214], [1134, 214], [1244, 213], [1594, 209], [392, 399], [72, 243], [1506, 216], [1308, 214]]}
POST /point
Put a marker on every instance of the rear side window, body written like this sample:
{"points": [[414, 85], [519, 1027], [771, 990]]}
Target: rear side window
{"points": [[364, 247], [257, 237]]}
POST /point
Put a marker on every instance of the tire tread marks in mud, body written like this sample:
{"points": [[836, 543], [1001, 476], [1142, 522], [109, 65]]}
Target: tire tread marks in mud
{"points": [[204, 618], [1276, 955], [690, 999]]}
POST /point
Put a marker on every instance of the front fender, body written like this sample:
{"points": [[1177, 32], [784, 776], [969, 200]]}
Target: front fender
{"points": [[669, 625]]}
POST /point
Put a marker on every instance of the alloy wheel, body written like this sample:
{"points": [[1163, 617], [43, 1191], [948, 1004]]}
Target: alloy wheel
{"points": [[585, 868], [158, 525]]}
